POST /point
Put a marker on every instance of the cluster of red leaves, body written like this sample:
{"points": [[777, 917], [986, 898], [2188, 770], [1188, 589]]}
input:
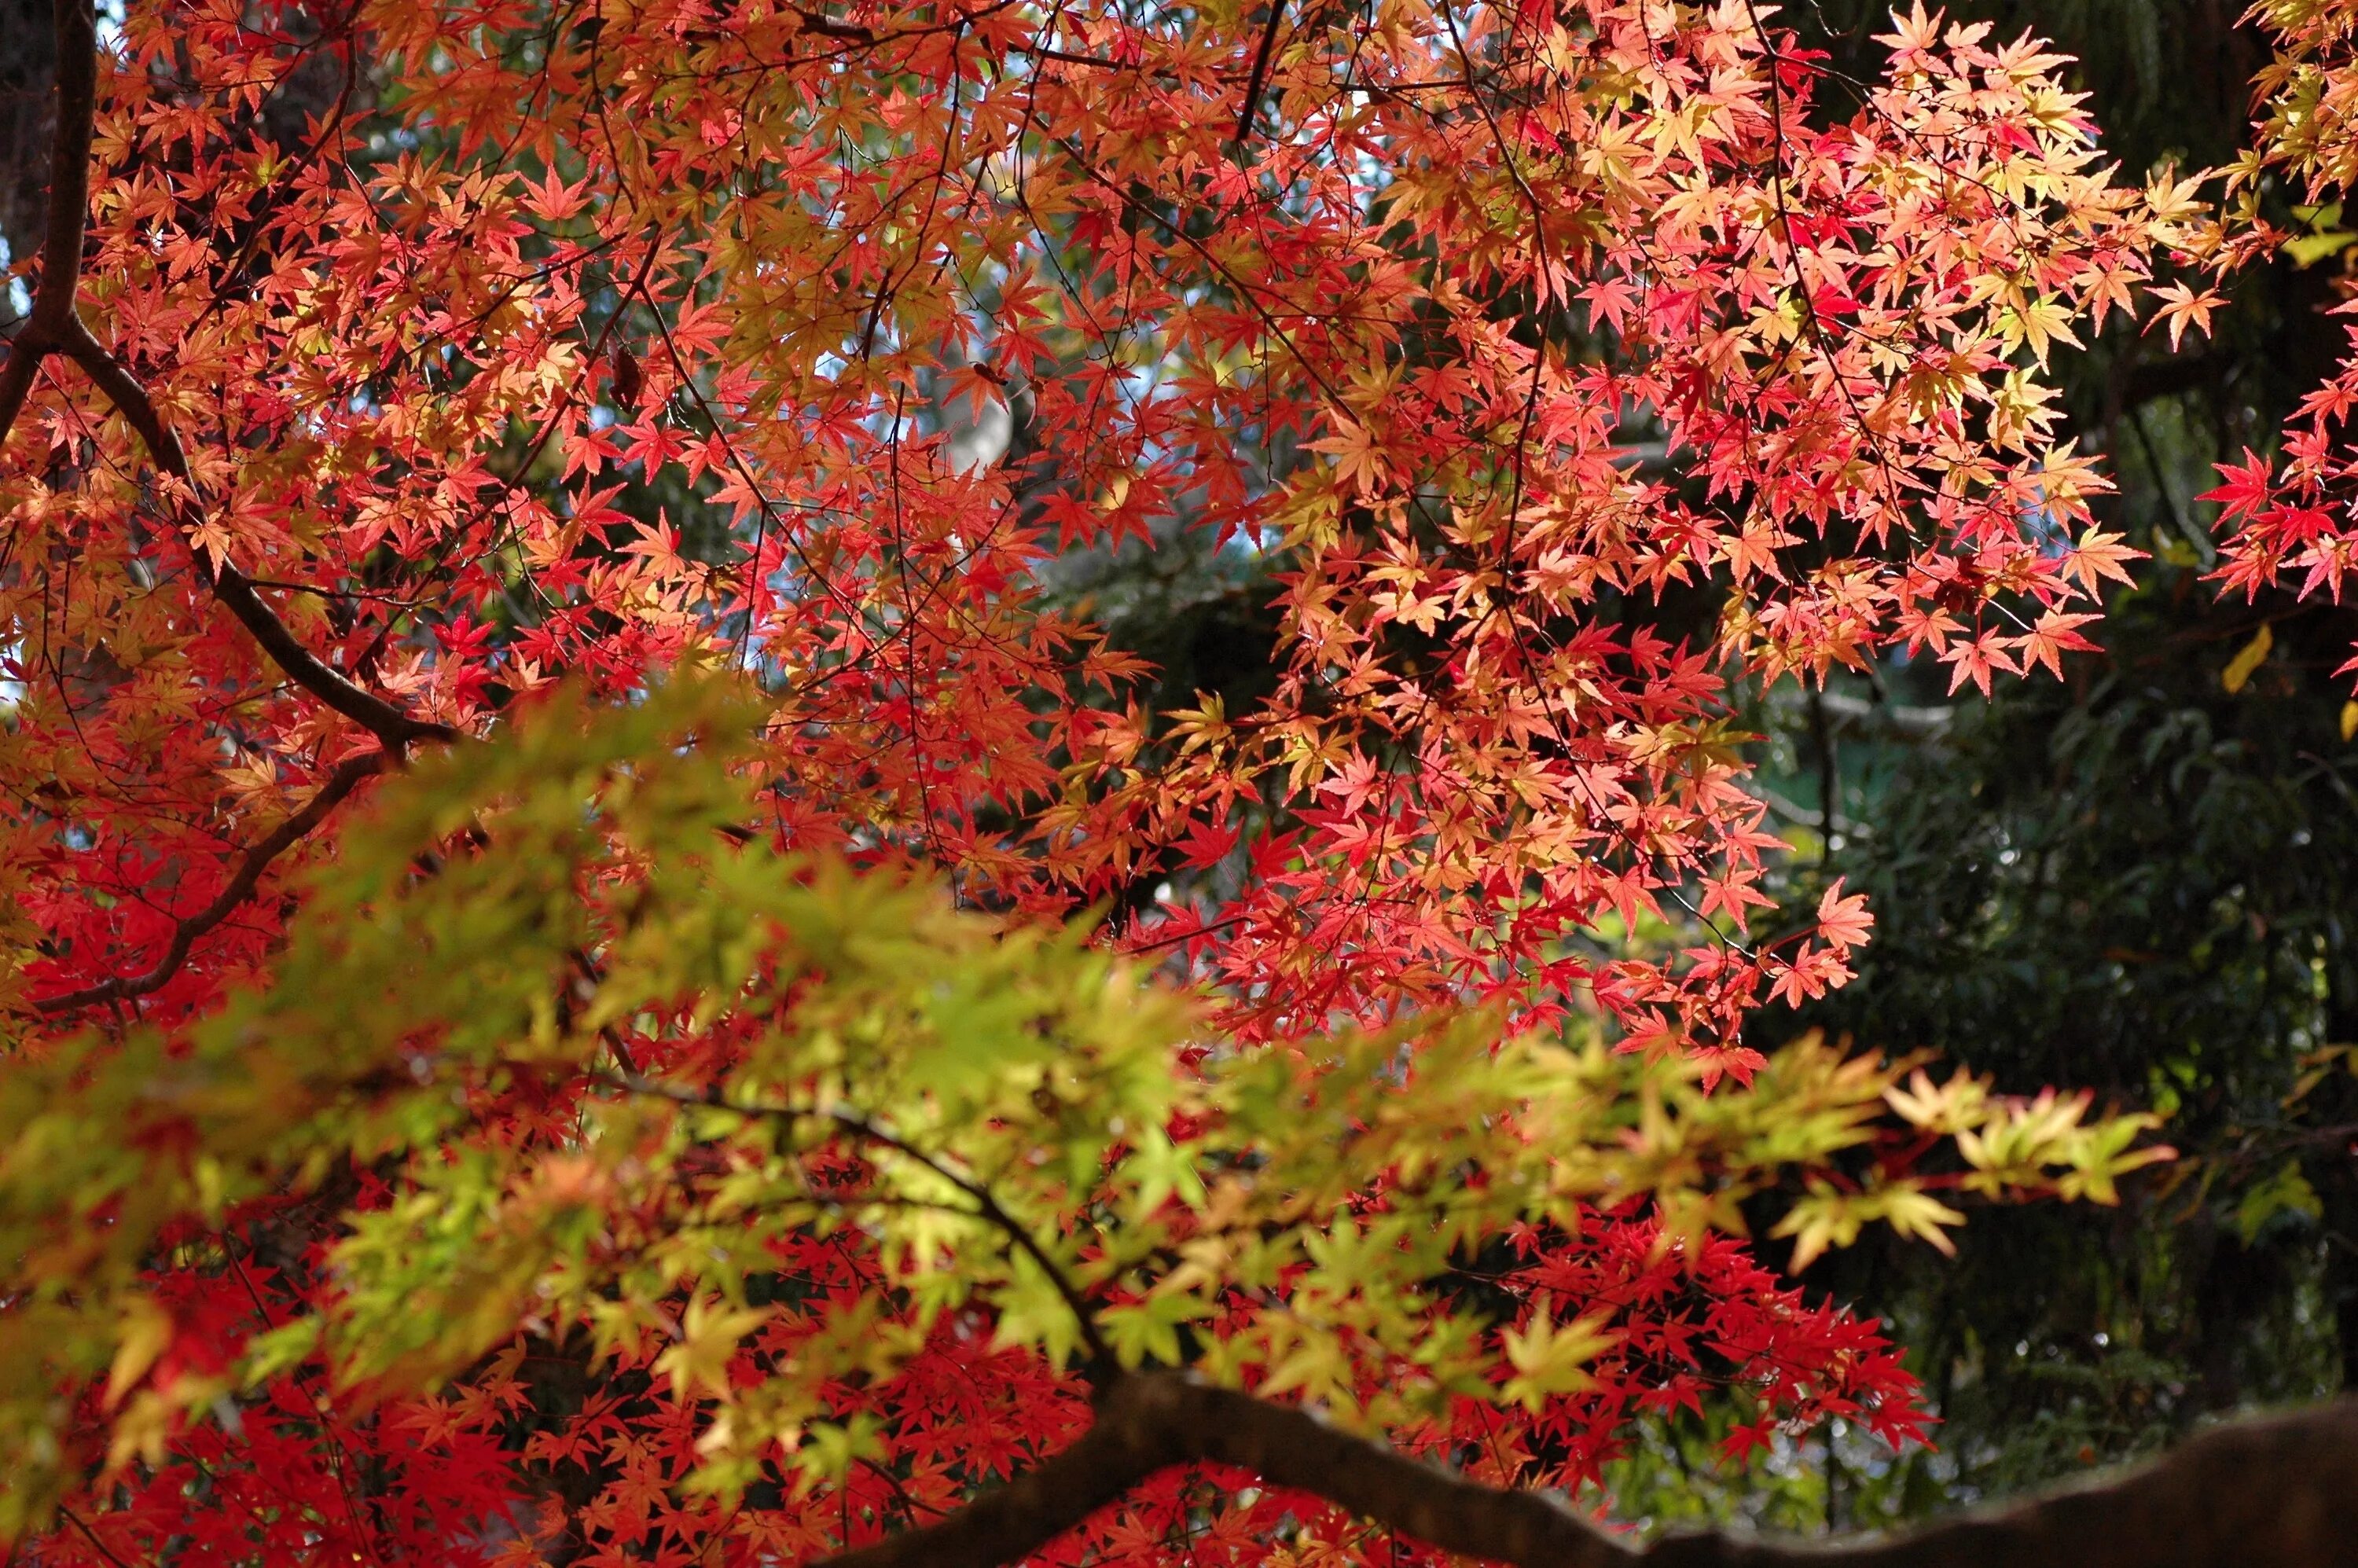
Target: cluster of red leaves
{"points": [[1494, 748], [1687, 1328], [2292, 519], [1474, 255], [544, 1456], [511, 342]]}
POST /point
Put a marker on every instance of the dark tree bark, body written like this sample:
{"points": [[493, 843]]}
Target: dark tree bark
{"points": [[28, 65], [2276, 1493]]}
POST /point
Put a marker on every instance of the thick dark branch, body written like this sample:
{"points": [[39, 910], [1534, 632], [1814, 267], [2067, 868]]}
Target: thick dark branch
{"points": [[2280, 1492], [233, 588], [239, 887], [829, 28], [54, 327], [53, 308], [2276, 1493], [1138, 1431], [1260, 77]]}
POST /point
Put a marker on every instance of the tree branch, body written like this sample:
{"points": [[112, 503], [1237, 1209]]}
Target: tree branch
{"points": [[239, 887], [55, 326], [235, 590], [77, 34], [1101, 1364], [2276, 1493], [1260, 77]]}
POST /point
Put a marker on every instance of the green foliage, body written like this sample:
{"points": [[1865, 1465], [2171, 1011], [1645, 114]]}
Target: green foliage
{"points": [[606, 1052]]}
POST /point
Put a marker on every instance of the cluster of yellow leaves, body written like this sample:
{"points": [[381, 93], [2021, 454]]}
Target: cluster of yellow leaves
{"points": [[2046, 1142]]}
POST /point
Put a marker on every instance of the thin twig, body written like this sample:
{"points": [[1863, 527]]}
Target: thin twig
{"points": [[988, 1208], [239, 887]]}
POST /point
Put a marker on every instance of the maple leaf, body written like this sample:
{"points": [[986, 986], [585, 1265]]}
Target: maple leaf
{"points": [[1975, 658], [2244, 487], [1359, 462], [1207, 843], [2044, 321], [709, 1334], [2054, 635], [2183, 308], [1731, 892], [1843, 921], [2248, 661], [553, 200], [2096, 557]]}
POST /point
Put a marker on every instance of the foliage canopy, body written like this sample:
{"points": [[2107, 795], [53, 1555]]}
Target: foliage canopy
{"points": [[688, 1116]]}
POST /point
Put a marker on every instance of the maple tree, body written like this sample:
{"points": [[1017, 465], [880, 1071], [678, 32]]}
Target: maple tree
{"points": [[604, 1142]]}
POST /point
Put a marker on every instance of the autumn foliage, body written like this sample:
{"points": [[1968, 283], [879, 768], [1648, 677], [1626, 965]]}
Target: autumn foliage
{"points": [[555, 830]]}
